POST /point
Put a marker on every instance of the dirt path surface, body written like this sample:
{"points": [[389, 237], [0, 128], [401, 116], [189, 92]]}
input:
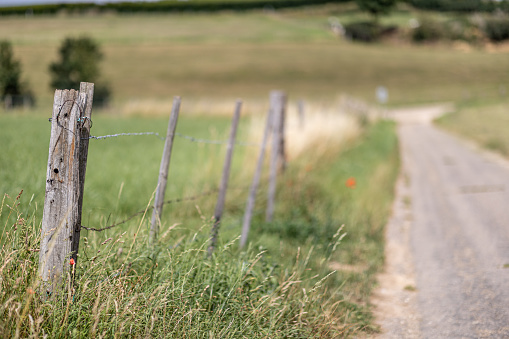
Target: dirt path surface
{"points": [[447, 252]]}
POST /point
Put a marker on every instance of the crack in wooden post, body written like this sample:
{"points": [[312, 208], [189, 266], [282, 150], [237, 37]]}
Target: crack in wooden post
{"points": [[65, 177]]}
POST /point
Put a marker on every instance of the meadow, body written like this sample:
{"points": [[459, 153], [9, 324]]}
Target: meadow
{"points": [[228, 55], [485, 122], [304, 274], [117, 269]]}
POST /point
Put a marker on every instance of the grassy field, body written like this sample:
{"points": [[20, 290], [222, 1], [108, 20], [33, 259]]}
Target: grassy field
{"points": [[485, 122], [246, 55], [296, 279], [280, 294]]}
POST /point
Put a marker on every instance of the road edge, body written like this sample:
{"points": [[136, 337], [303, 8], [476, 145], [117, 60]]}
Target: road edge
{"points": [[395, 298]]}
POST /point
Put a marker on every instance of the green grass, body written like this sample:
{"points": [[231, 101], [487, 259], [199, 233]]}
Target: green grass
{"points": [[124, 288], [227, 55], [285, 284], [484, 122], [121, 168]]}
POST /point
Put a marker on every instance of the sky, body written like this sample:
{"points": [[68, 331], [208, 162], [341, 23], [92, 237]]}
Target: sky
{"points": [[5, 3]]}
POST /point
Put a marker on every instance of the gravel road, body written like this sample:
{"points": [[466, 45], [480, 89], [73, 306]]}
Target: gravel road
{"points": [[447, 250]]}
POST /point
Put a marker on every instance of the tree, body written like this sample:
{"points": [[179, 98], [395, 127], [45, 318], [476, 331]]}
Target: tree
{"points": [[79, 61], [10, 78], [10, 71], [376, 7]]}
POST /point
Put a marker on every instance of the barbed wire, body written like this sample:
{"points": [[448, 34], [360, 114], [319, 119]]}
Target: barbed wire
{"points": [[191, 198], [180, 135], [217, 142], [125, 134]]}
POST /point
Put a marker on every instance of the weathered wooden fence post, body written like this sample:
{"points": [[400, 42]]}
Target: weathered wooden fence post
{"points": [[224, 179], [246, 224], [86, 88], [65, 177], [282, 132], [277, 100], [163, 171], [301, 113]]}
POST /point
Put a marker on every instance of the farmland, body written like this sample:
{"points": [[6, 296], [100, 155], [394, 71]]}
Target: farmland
{"points": [[248, 54], [121, 176], [301, 275], [484, 122]]}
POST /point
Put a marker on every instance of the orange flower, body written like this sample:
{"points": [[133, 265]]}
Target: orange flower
{"points": [[71, 262], [30, 291], [350, 183]]}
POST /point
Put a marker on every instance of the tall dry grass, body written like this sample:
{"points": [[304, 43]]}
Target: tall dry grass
{"points": [[191, 106], [320, 127], [125, 289]]}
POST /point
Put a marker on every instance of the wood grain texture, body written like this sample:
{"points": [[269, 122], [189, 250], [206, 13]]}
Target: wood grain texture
{"points": [[61, 222], [84, 125], [62, 184]]}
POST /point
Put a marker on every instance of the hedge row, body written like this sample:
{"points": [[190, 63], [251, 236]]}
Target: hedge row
{"points": [[467, 6], [166, 6]]}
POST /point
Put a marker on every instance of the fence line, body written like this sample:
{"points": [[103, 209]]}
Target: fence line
{"points": [[70, 135], [172, 201], [180, 135], [190, 198]]}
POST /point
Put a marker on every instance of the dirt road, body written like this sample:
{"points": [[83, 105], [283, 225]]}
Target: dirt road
{"points": [[447, 249]]}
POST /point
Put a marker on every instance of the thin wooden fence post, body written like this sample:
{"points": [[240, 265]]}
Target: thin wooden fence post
{"points": [[301, 113], [276, 109], [282, 133], [224, 179], [246, 224], [61, 221], [163, 171]]}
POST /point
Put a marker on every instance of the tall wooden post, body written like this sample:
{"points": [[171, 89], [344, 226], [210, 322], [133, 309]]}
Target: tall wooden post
{"points": [[281, 134], [246, 224], [65, 176], [163, 171], [301, 113], [276, 108], [224, 179]]}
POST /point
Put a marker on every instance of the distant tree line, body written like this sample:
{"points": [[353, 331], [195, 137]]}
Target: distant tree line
{"points": [[166, 6], [243, 5], [78, 61], [465, 6]]}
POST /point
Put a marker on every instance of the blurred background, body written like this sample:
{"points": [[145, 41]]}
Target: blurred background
{"points": [[146, 52]]}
